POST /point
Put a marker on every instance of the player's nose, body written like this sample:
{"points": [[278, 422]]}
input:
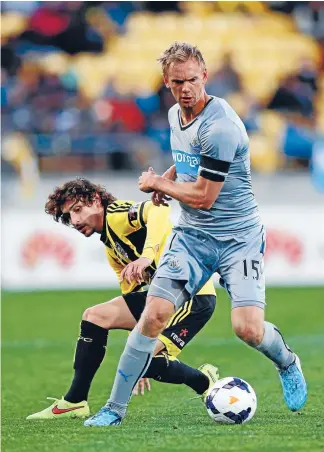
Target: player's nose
{"points": [[186, 87], [74, 221]]}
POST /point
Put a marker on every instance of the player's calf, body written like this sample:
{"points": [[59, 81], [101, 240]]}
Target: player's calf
{"points": [[272, 344], [89, 354], [137, 355], [167, 369]]}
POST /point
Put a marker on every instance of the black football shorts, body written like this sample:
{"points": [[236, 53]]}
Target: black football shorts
{"points": [[183, 326]]}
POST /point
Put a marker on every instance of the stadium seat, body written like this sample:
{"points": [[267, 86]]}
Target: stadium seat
{"points": [[12, 24], [271, 123], [55, 63], [139, 23], [268, 49], [91, 78], [265, 157], [200, 9], [254, 7]]}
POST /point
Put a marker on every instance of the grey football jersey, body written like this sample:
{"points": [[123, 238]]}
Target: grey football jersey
{"points": [[216, 146]]}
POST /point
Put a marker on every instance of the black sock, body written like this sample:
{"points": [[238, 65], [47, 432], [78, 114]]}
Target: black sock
{"points": [[89, 353], [175, 372]]}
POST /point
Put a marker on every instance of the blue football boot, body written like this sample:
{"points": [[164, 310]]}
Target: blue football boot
{"points": [[103, 418], [293, 385]]}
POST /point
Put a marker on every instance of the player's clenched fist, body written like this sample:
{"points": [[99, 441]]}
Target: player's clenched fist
{"points": [[146, 181], [159, 198]]}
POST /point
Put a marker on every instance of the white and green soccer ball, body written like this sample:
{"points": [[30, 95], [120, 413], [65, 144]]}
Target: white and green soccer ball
{"points": [[231, 400]]}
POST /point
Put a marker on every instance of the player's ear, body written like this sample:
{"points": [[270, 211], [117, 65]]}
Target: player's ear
{"points": [[205, 76], [97, 199], [166, 82]]}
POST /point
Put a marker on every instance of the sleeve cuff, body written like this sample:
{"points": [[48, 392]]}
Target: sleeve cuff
{"points": [[149, 253]]}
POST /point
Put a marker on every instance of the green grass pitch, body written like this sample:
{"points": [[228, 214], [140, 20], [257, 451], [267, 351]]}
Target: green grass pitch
{"points": [[38, 337]]}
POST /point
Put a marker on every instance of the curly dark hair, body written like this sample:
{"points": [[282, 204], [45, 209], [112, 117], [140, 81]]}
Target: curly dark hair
{"points": [[79, 189]]}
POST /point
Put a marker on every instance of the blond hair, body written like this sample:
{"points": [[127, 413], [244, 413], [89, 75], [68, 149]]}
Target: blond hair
{"points": [[180, 52]]}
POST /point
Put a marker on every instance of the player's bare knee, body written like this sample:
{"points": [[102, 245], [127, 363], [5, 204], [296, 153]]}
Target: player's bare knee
{"points": [[249, 333], [156, 319], [155, 316], [91, 315], [153, 321], [159, 310], [87, 314], [94, 315]]}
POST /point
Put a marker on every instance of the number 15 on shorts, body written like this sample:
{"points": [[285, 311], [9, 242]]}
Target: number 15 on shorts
{"points": [[252, 268]]}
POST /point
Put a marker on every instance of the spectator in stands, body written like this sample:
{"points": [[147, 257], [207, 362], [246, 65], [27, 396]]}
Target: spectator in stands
{"points": [[293, 95], [226, 80], [22, 7], [309, 17], [307, 74], [160, 7], [62, 25], [9, 60], [119, 11], [53, 108], [247, 108], [166, 99]]}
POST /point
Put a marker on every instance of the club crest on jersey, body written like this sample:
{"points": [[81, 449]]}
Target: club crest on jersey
{"points": [[195, 145], [173, 263], [121, 250], [133, 211]]}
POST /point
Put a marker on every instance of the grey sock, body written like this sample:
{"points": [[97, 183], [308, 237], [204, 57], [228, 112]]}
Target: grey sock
{"points": [[274, 347], [133, 363]]}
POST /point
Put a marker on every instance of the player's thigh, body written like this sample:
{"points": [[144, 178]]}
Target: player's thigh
{"points": [[187, 321], [242, 269], [113, 314], [191, 257]]}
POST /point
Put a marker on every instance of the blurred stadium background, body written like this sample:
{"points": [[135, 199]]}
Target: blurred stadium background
{"points": [[82, 94]]}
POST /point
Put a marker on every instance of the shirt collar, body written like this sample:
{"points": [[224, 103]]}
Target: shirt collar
{"points": [[103, 236]]}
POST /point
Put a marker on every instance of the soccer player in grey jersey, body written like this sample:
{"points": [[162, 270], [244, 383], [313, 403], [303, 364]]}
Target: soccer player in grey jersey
{"points": [[219, 230]]}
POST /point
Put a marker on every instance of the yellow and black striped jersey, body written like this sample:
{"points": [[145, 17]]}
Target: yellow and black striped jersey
{"points": [[132, 230]]}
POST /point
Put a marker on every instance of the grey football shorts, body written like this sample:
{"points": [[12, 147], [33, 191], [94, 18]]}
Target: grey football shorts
{"points": [[193, 256]]}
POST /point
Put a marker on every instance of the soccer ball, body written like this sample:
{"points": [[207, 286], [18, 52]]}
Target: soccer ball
{"points": [[231, 400]]}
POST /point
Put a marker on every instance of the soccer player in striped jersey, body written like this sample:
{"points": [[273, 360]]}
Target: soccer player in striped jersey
{"points": [[134, 235]]}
